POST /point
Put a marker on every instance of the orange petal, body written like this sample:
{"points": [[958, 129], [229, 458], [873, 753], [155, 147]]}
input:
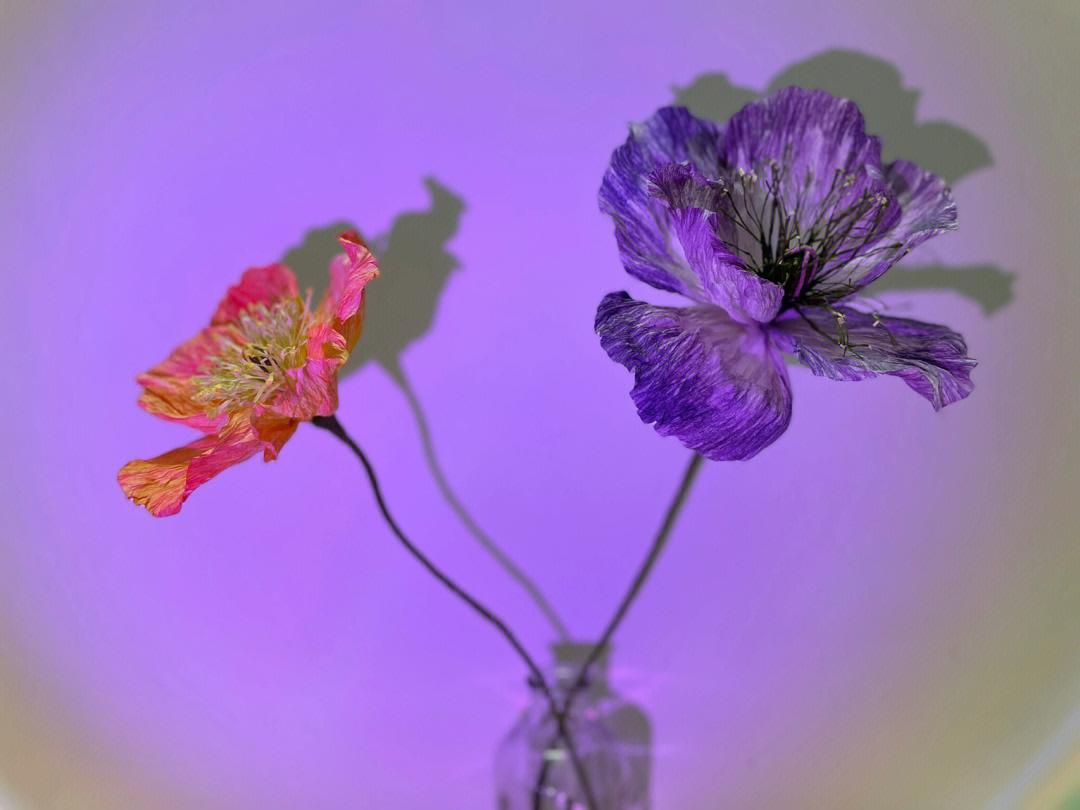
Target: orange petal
{"points": [[273, 431], [343, 305], [324, 343], [259, 285], [162, 484], [179, 408], [168, 389]]}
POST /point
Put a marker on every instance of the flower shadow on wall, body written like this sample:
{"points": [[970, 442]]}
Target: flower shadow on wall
{"points": [[415, 267], [890, 110]]}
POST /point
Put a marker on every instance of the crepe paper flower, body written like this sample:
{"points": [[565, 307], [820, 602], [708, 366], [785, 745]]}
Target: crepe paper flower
{"points": [[266, 363], [769, 225]]}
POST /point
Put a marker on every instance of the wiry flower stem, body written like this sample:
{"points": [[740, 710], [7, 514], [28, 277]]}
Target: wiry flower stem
{"points": [[482, 537], [635, 587], [332, 424], [643, 574]]}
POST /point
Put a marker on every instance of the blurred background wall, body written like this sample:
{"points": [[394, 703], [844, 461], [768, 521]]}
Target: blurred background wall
{"points": [[880, 611]]}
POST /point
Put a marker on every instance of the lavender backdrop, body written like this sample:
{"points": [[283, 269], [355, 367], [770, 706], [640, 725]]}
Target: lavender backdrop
{"points": [[877, 612]]}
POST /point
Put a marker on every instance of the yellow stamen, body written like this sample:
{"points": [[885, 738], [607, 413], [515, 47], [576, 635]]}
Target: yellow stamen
{"points": [[251, 366]]}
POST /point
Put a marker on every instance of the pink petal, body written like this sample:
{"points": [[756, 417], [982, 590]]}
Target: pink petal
{"points": [[343, 304], [326, 344], [313, 391], [168, 388], [162, 484], [314, 385], [259, 285]]}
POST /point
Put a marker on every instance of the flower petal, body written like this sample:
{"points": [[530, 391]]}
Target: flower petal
{"points": [[927, 209], [642, 225], [811, 132], [312, 390], [931, 359], [718, 385], [259, 285], [273, 431], [168, 389], [803, 157], [179, 408], [162, 484], [722, 277], [343, 305], [325, 343], [926, 200]]}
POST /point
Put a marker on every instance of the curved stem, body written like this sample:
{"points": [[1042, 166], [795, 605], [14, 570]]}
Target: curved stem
{"points": [[331, 424], [643, 573], [467, 520]]}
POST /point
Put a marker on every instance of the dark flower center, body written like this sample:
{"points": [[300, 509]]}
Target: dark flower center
{"points": [[797, 237]]}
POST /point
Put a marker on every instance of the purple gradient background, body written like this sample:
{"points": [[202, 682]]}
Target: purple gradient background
{"points": [[878, 611]]}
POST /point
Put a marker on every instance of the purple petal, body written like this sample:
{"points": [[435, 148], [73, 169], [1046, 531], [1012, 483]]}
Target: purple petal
{"points": [[812, 134], [718, 385], [927, 209], [927, 202], [809, 131], [642, 225], [694, 204], [802, 158], [931, 359], [674, 135]]}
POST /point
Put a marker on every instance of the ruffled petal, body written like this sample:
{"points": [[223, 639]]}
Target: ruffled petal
{"points": [[273, 431], [800, 162], [926, 200], [811, 133], [326, 343], [168, 385], [180, 408], [312, 391], [162, 484], [312, 388], [674, 135], [931, 359], [722, 278], [643, 228], [343, 305], [927, 209], [718, 385], [259, 285]]}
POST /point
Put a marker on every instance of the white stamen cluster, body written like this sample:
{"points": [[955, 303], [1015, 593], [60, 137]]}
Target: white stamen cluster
{"points": [[250, 365]]}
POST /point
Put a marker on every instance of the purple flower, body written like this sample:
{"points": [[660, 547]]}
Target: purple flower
{"points": [[769, 225]]}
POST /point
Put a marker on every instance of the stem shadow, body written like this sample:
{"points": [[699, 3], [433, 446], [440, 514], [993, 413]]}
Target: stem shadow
{"points": [[415, 267]]}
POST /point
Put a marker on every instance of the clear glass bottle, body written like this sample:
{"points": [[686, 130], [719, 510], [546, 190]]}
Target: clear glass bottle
{"points": [[533, 770]]}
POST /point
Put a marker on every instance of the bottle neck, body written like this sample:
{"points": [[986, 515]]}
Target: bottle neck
{"points": [[567, 659]]}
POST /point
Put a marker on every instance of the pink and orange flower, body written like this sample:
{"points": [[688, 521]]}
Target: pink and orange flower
{"points": [[267, 362]]}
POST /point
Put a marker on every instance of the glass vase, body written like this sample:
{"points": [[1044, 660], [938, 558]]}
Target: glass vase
{"points": [[533, 767]]}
